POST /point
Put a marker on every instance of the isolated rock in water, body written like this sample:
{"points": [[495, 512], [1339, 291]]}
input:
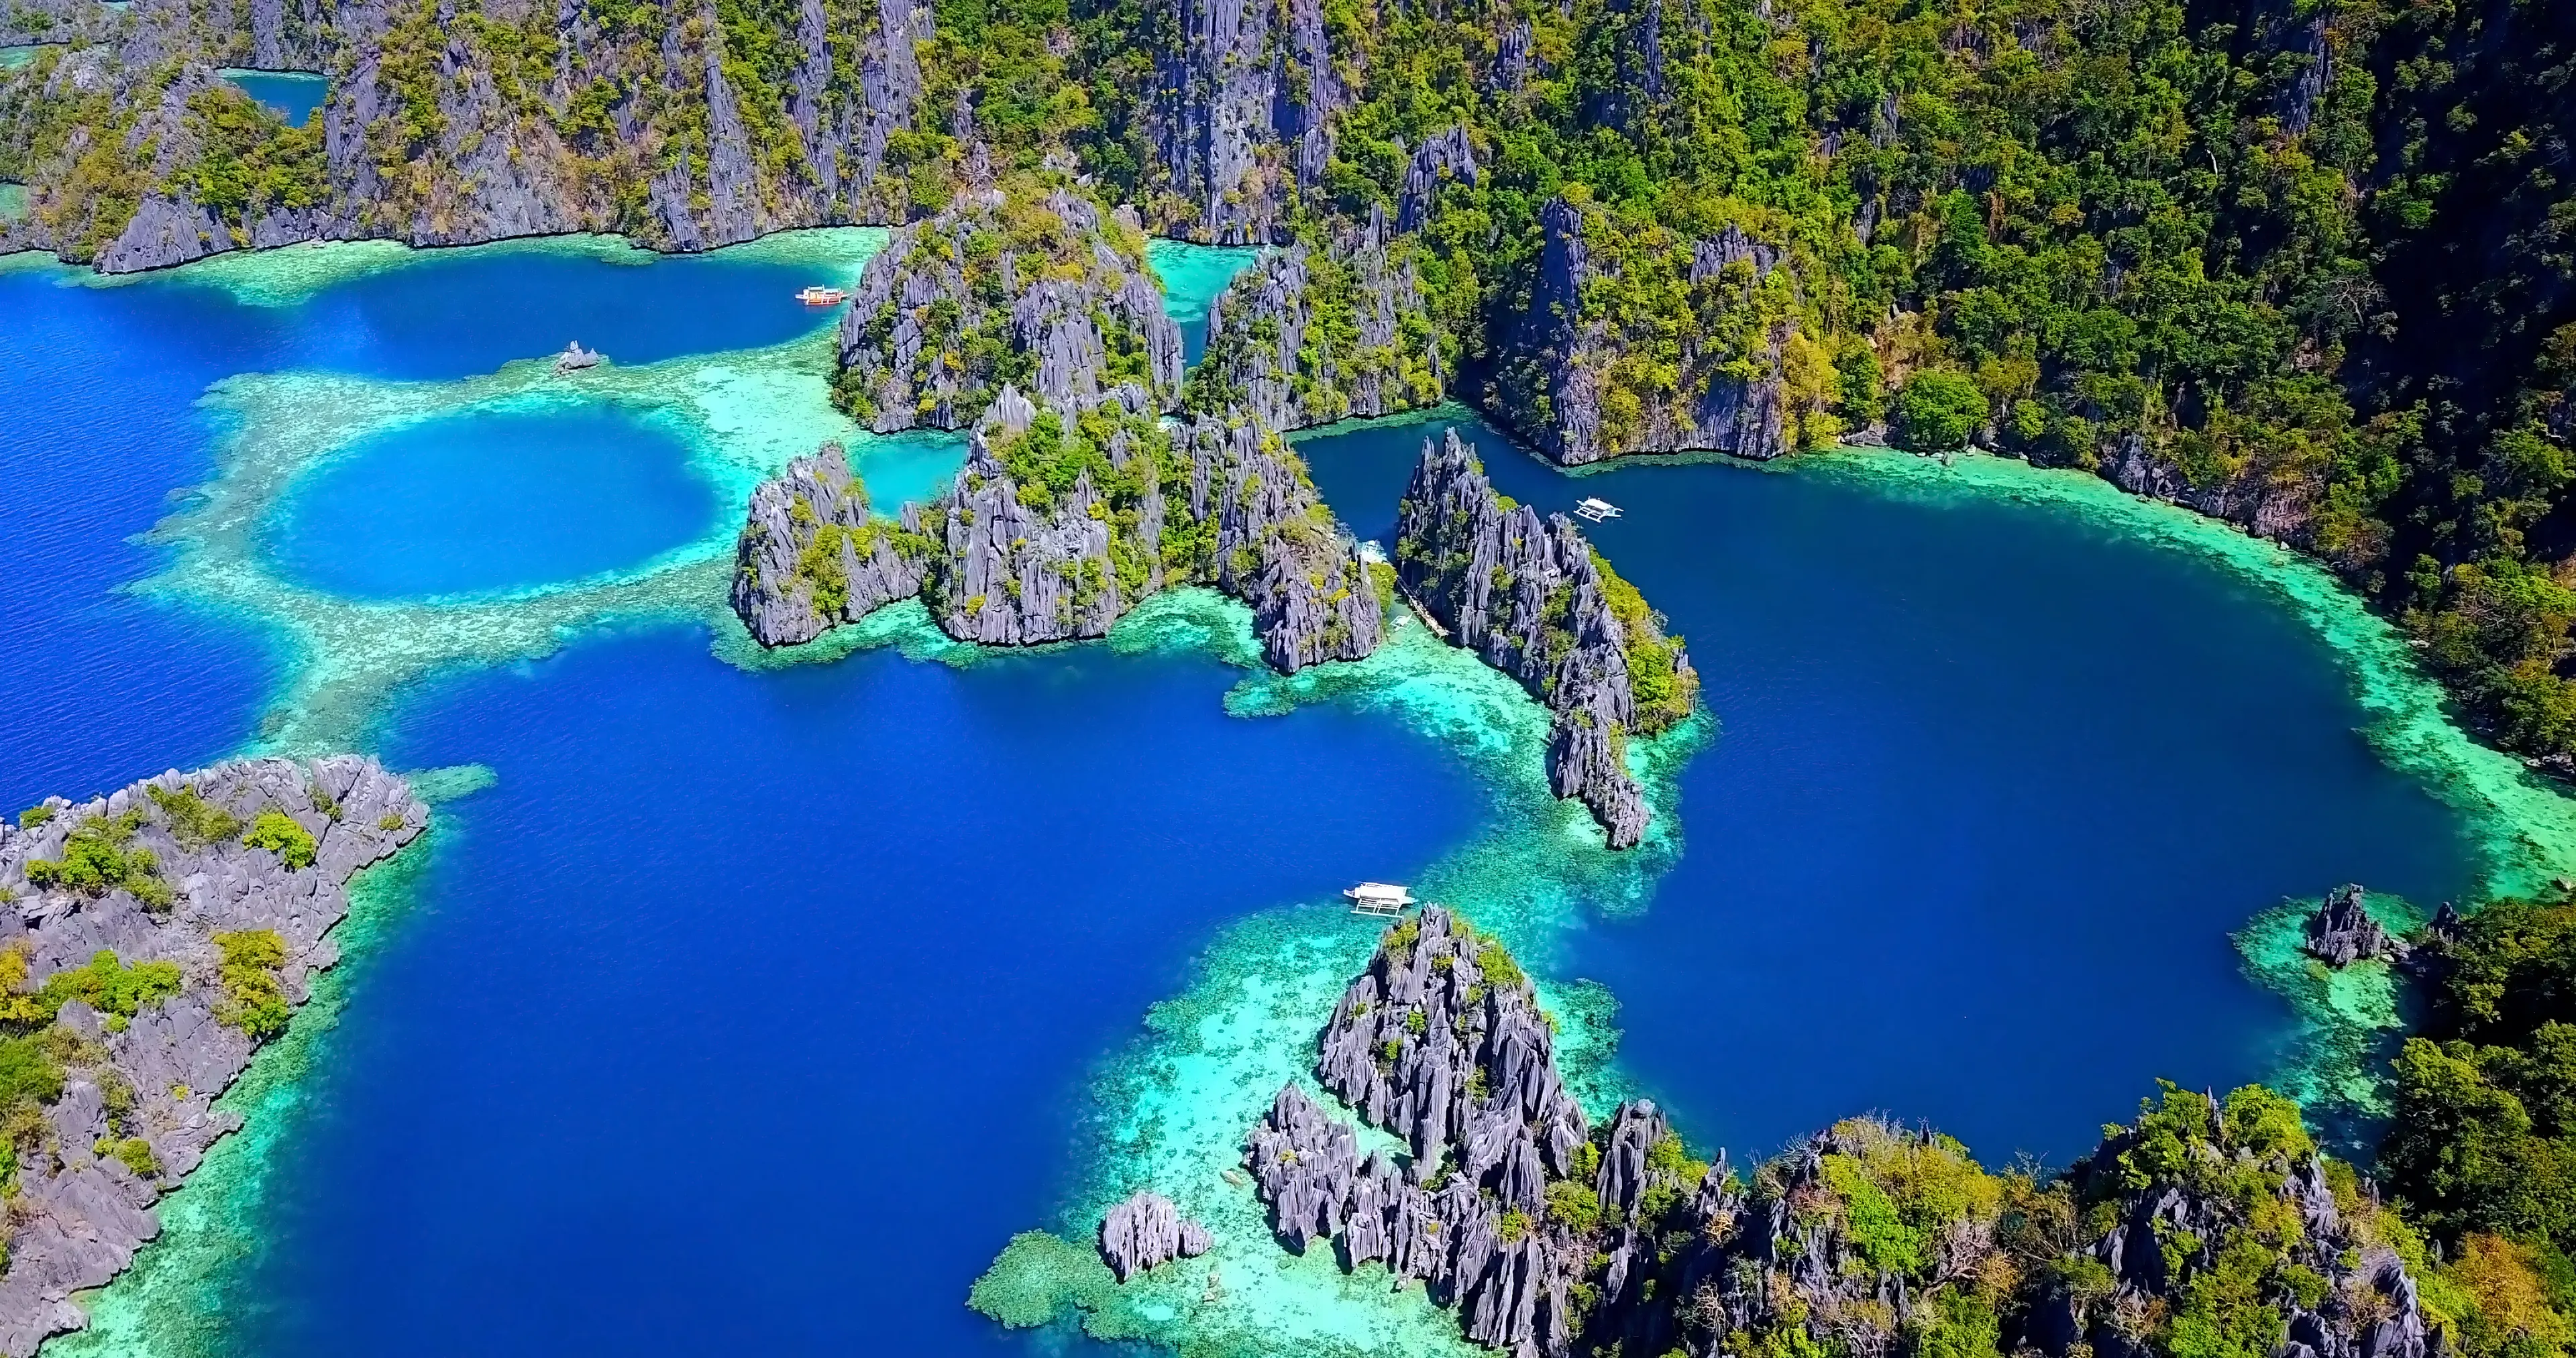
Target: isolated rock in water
{"points": [[1005, 280], [1309, 336], [1552, 378], [2342, 932], [155, 938], [1531, 597], [1145, 1230], [809, 557]]}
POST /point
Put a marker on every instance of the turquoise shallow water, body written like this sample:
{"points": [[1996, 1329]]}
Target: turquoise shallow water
{"points": [[293, 94], [753, 1006]]}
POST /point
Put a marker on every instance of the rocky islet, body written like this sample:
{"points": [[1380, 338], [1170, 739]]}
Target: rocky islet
{"points": [[153, 939]]}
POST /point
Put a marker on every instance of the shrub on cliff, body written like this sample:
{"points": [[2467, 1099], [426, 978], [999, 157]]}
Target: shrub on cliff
{"points": [[99, 856], [1938, 411], [278, 833], [257, 1002]]}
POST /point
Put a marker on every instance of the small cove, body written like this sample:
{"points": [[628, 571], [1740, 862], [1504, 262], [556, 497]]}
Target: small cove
{"points": [[1989, 785], [1193, 277], [292, 95]]}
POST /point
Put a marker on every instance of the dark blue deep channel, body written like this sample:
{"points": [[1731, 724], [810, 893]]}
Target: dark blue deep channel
{"points": [[752, 1012]]}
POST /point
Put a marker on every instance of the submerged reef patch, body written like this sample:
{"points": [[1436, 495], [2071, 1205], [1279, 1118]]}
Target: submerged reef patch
{"points": [[295, 274], [741, 414]]}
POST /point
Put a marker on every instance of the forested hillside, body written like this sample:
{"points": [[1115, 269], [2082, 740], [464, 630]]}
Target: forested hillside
{"points": [[2295, 264]]}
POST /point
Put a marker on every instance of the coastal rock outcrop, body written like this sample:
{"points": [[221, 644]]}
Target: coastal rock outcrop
{"points": [[154, 939], [1144, 1230], [1531, 597], [1009, 285], [2261, 495], [1440, 1041], [1549, 1235], [809, 557], [1308, 336], [2342, 932], [1052, 531], [1216, 501], [1558, 380]]}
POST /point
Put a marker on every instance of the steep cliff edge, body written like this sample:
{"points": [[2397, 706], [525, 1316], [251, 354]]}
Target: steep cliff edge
{"points": [[157, 937], [1532, 597], [809, 557], [1307, 336], [1581, 378], [1240, 121], [1551, 1236], [1021, 285]]}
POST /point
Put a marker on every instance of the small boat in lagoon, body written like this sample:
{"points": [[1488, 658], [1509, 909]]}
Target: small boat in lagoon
{"points": [[818, 295]]}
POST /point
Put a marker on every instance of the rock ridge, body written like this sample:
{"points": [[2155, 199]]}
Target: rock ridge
{"points": [[1054, 529], [1530, 596], [1022, 286], [1309, 335]]}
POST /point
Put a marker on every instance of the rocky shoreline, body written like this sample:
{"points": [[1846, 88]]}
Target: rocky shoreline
{"points": [[156, 937], [1530, 596], [1549, 1235]]}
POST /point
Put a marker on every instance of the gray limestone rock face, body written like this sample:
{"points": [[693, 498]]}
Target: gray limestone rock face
{"points": [[2281, 508], [1437, 162], [1306, 337], [85, 1196], [2342, 932], [1013, 576], [1441, 1042], [1275, 546], [1241, 118], [164, 232], [1144, 1230], [952, 300], [809, 558], [1525, 594], [1550, 381], [558, 152]]}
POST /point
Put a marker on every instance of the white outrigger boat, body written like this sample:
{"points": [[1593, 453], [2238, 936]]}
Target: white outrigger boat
{"points": [[1379, 899], [1596, 510]]}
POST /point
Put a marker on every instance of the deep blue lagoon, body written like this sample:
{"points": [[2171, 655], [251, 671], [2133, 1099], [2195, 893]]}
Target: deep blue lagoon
{"points": [[491, 499], [754, 1009]]}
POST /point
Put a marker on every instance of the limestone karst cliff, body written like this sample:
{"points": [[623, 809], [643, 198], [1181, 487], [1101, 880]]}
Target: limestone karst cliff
{"points": [[1563, 380], [809, 557], [1307, 336], [1548, 1234], [1531, 597], [1023, 285], [1055, 528], [150, 941]]}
